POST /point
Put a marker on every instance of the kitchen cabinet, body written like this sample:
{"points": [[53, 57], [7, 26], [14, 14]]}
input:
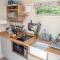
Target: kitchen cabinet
{"points": [[31, 57], [16, 12], [52, 56], [6, 46], [1, 55], [7, 50], [10, 55]]}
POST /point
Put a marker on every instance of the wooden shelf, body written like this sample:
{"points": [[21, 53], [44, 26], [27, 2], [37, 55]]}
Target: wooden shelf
{"points": [[17, 11], [13, 5], [12, 10], [12, 18]]}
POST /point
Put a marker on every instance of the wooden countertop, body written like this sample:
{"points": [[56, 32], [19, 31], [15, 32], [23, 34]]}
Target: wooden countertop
{"points": [[30, 42], [3, 33], [49, 49], [25, 43]]}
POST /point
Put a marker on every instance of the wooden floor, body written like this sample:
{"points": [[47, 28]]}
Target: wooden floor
{"points": [[3, 59]]}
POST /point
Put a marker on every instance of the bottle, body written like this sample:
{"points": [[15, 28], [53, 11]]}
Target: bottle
{"points": [[10, 2], [43, 34], [30, 25]]}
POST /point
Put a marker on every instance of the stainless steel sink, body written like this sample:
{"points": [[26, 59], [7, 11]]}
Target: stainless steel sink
{"points": [[24, 37]]}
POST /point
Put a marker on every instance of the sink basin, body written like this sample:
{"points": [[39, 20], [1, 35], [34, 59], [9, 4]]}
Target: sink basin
{"points": [[40, 45], [24, 37], [38, 49]]}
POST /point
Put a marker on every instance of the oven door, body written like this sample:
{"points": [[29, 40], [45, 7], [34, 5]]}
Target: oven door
{"points": [[18, 49], [22, 50]]}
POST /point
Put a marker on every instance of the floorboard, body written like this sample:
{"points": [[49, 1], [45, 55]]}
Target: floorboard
{"points": [[3, 59]]}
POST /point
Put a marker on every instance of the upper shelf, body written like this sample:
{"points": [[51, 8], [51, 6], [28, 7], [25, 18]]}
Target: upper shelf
{"points": [[16, 12], [12, 8], [13, 5]]}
